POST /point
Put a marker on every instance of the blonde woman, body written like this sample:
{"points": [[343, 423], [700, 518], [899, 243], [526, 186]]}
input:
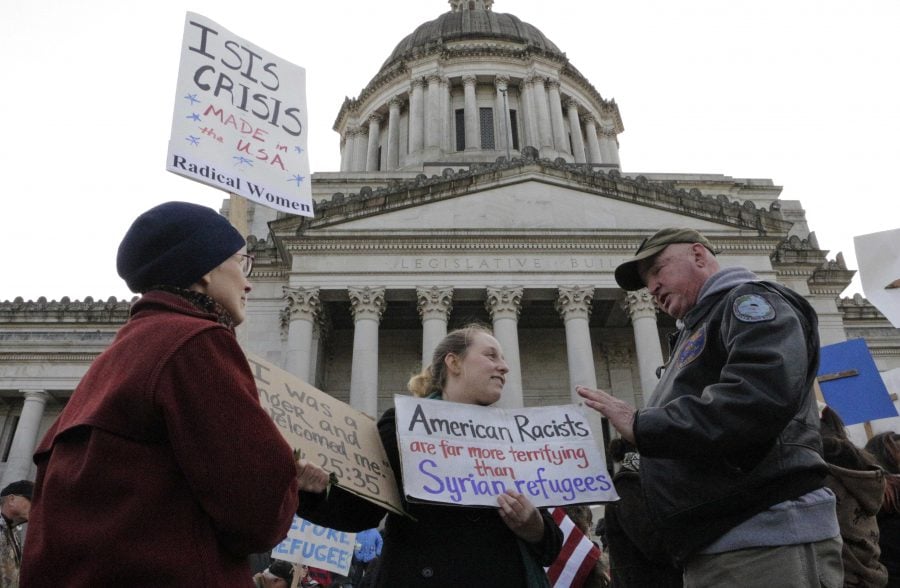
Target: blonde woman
{"points": [[450, 545]]}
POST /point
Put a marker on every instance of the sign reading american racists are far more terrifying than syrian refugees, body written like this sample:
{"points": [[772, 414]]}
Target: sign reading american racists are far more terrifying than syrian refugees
{"points": [[464, 454], [240, 120]]}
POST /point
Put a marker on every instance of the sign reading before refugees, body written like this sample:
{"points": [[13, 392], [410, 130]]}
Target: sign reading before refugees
{"points": [[465, 454], [319, 547], [329, 433], [240, 117]]}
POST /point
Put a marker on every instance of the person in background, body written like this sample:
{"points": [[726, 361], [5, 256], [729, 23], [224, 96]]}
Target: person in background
{"points": [[858, 484], [367, 548], [637, 552], [279, 574], [163, 469], [731, 459], [583, 518], [442, 545], [15, 506], [885, 448]]}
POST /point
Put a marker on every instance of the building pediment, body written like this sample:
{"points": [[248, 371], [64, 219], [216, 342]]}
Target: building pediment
{"points": [[532, 194]]}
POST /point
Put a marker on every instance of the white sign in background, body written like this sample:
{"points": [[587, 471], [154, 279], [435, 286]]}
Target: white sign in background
{"points": [[878, 255], [319, 547], [465, 454], [240, 119]]}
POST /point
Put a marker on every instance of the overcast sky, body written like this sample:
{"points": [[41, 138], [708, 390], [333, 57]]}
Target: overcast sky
{"points": [[804, 92]]}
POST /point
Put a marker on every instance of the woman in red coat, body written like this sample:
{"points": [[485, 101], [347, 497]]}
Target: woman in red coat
{"points": [[163, 469]]}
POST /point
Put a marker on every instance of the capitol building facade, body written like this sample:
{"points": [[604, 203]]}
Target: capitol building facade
{"points": [[480, 181]]}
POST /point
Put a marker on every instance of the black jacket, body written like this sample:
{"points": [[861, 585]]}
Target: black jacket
{"points": [[732, 428]]}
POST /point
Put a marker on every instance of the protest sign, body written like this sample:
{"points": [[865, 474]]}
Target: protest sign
{"points": [[317, 546], [878, 255], [466, 454], [329, 433], [860, 395], [240, 119]]}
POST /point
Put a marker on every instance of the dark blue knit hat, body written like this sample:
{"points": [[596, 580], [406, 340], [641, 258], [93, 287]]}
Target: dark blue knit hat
{"points": [[175, 244]]}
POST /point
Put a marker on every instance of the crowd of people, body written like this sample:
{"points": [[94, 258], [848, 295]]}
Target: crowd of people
{"points": [[163, 469]]}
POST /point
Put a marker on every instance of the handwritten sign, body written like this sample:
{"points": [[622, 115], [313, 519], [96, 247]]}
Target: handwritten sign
{"points": [[465, 454], [328, 432], [317, 546], [240, 119]]}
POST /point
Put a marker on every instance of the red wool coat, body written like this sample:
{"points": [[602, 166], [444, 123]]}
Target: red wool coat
{"points": [[163, 469]]}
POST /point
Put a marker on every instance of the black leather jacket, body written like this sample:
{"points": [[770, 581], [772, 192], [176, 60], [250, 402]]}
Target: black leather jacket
{"points": [[732, 428]]}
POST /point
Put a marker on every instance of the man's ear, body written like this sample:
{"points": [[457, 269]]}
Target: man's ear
{"points": [[699, 252]]}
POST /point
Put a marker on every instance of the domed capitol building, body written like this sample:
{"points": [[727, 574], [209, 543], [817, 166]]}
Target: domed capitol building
{"points": [[480, 180]]}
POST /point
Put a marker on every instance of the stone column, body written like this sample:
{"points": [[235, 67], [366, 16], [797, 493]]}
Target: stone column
{"points": [[574, 307], [529, 114], [640, 307], [360, 159], [609, 145], [446, 116], [590, 129], [501, 101], [18, 464], [556, 117], [504, 305], [374, 139], [346, 150], [434, 304], [417, 115], [473, 136], [545, 129], [367, 305], [321, 331], [349, 150], [393, 138], [433, 115], [303, 308], [575, 130]]}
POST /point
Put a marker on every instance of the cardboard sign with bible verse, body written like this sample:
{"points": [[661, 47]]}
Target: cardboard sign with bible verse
{"points": [[329, 433]]}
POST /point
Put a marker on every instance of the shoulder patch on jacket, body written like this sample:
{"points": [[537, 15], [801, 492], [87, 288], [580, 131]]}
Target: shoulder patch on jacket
{"points": [[752, 308], [692, 347]]}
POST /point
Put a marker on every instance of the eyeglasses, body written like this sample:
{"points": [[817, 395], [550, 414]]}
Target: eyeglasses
{"points": [[246, 263]]}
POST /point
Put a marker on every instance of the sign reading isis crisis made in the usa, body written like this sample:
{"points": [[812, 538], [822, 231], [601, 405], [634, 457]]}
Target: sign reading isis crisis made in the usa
{"points": [[329, 433], [240, 119], [464, 454]]}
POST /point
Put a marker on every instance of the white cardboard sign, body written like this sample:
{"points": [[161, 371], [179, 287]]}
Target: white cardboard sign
{"points": [[465, 454]]}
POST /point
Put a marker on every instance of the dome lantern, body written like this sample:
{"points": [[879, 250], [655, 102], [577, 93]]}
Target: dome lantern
{"points": [[462, 5]]}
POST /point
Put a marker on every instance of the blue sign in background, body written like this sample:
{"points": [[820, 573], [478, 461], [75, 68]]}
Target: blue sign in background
{"points": [[858, 398]]}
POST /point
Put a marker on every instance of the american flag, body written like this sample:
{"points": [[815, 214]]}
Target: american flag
{"points": [[578, 557]]}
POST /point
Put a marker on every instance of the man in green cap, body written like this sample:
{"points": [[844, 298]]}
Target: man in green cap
{"points": [[731, 465]]}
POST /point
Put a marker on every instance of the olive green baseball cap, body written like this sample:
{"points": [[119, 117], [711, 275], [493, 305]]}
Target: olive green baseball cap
{"points": [[627, 275]]}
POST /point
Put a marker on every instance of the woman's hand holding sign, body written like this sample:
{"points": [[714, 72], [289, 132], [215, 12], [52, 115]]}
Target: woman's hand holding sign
{"points": [[521, 516], [311, 477]]}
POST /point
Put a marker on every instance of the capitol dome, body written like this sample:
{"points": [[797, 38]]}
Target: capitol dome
{"points": [[468, 25], [469, 87]]}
